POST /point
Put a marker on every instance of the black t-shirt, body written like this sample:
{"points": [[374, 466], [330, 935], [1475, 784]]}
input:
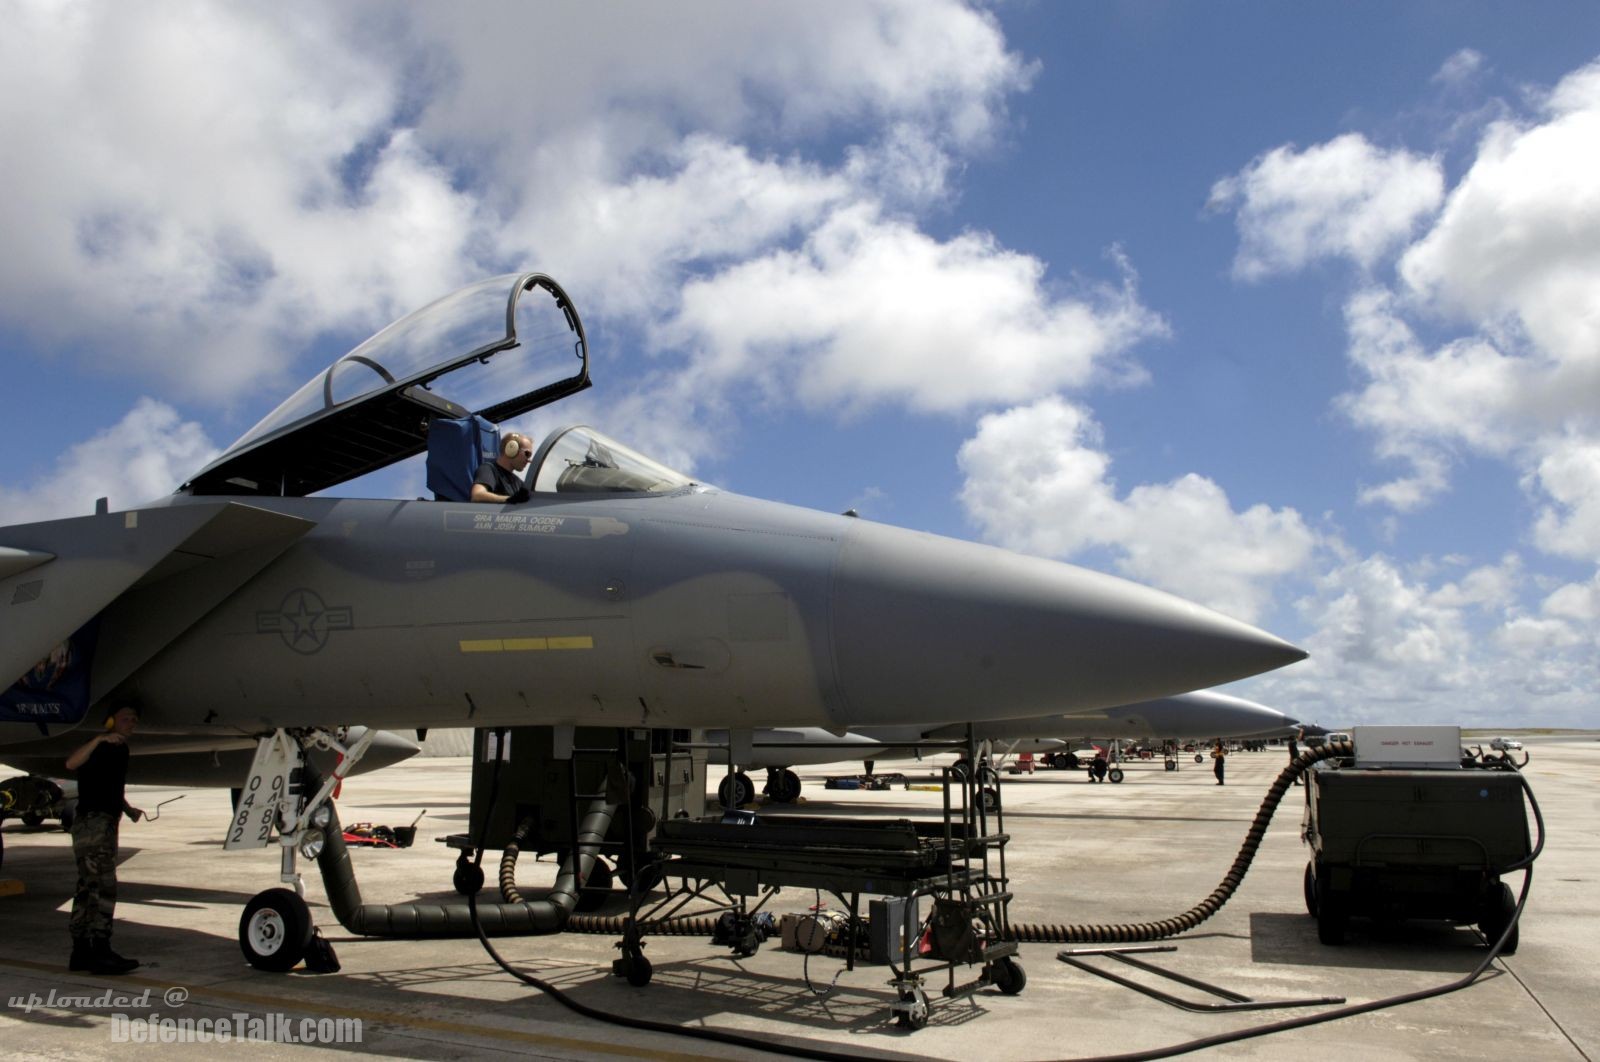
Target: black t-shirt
{"points": [[500, 480], [102, 778]]}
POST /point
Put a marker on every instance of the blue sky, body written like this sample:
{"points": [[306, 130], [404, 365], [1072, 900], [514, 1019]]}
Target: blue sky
{"points": [[1288, 309]]}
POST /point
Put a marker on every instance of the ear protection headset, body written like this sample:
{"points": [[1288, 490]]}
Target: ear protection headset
{"points": [[511, 447], [111, 720]]}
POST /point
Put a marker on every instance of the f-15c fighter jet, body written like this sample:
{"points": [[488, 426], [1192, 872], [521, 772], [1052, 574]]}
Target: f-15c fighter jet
{"points": [[616, 593]]}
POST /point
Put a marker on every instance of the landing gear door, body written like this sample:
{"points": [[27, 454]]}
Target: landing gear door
{"points": [[257, 812]]}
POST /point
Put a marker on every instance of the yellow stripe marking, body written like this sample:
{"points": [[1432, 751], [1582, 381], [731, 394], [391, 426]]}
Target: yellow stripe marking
{"points": [[522, 645], [580, 642], [525, 645]]}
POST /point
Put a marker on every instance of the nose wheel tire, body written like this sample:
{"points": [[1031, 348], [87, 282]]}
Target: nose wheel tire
{"points": [[1115, 775], [275, 930], [736, 790]]}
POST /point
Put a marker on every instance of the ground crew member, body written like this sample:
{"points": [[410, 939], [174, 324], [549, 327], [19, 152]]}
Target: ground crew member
{"points": [[101, 764], [1219, 757]]}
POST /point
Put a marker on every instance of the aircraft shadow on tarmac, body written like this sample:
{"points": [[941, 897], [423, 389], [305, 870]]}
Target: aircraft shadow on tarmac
{"points": [[1428, 947]]}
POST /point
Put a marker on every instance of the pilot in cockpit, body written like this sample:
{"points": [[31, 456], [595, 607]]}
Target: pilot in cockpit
{"points": [[500, 480]]}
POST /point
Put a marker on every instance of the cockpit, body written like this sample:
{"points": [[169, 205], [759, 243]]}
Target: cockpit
{"points": [[482, 355], [581, 460]]}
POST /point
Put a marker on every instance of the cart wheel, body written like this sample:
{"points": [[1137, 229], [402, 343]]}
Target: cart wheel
{"points": [[1008, 976], [32, 818], [275, 930], [468, 877], [991, 799], [1311, 890], [1115, 774], [1172, 765], [1199, 758], [1332, 918], [915, 1015], [958, 769], [1498, 910]]}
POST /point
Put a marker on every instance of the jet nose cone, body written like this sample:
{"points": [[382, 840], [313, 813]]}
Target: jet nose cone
{"points": [[929, 629]]}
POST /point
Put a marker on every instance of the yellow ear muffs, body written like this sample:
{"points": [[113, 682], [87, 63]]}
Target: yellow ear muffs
{"points": [[111, 721]]}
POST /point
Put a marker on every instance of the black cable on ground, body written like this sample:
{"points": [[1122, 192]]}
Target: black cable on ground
{"points": [[1124, 933], [1525, 865], [715, 1035]]}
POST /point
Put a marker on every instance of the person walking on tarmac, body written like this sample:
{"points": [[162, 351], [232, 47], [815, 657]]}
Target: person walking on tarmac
{"points": [[1219, 757], [1294, 754], [101, 764]]}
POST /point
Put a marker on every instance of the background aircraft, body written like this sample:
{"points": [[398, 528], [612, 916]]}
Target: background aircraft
{"points": [[1200, 714]]}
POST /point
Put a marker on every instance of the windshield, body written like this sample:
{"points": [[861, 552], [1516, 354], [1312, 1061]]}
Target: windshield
{"points": [[581, 460]]}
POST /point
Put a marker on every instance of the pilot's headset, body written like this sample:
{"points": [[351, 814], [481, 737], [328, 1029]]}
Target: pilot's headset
{"points": [[511, 447]]}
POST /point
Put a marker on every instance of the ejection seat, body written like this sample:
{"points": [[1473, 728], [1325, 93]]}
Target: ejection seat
{"points": [[455, 450]]}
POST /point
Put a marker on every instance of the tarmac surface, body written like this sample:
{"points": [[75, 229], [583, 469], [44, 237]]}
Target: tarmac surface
{"points": [[1080, 853]]}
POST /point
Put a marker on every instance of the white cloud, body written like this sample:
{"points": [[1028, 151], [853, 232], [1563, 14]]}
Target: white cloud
{"points": [[145, 455], [872, 310], [1569, 474], [185, 192], [1391, 644], [1345, 198], [1575, 601], [1460, 68], [1518, 243], [219, 187], [1512, 261], [1037, 482]]}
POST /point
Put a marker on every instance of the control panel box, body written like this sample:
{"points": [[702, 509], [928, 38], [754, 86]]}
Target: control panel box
{"points": [[1410, 747]]}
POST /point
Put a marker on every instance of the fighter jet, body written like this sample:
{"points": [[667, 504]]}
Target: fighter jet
{"points": [[1203, 713], [614, 592], [619, 593]]}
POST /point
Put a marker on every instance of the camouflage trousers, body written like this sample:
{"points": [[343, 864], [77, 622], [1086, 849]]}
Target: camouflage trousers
{"points": [[94, 845]]}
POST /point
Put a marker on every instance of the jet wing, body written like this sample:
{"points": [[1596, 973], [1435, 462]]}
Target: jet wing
{"points": [[102, 566], [200, 760]]}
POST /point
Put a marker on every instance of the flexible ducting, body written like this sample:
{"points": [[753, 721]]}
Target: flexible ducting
{"points": [[549, 915]]}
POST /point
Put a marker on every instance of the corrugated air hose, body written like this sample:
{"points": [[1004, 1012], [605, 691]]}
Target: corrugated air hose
{"points": [[1034, 933]]}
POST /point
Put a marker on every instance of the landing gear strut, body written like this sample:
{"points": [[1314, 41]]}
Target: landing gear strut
{"points": [[276, 927]]}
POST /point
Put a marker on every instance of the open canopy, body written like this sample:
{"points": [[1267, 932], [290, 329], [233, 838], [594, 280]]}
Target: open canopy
{"points": [[481, 350]]}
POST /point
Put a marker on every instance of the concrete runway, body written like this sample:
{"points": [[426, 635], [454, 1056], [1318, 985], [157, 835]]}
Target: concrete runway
{"points": [[1147, 849]]}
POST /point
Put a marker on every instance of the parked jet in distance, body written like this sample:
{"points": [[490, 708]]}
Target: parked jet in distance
{"points": [[1200, 714]]}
